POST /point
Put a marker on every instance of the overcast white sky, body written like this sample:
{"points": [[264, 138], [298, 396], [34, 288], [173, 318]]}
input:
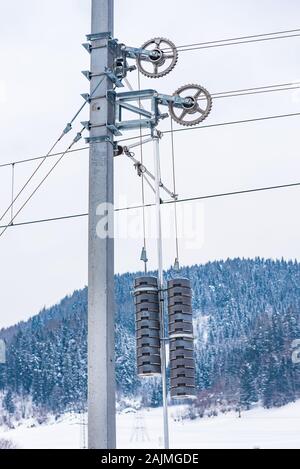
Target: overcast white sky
{"points": [[40, 84]]}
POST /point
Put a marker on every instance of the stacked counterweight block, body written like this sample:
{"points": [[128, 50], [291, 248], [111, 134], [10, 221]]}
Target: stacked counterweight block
{"points": [[147, 326], [181, 337]]}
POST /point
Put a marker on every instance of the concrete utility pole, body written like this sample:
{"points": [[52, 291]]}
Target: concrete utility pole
{"points": [[101, 308]]}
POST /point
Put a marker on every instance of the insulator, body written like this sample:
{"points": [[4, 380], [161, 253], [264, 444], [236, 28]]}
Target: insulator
{"points": [[176, 264], [118, 151], [144, 257]]}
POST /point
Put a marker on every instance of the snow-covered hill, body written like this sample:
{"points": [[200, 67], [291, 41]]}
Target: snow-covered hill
{"points": [[258, 428], [246, 315]]}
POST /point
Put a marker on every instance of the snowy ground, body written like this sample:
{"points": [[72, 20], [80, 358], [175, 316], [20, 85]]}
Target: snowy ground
{"points": [[259, 428]]}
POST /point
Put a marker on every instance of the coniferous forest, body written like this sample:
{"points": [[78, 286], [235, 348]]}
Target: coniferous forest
{"points": [[246, 316]]}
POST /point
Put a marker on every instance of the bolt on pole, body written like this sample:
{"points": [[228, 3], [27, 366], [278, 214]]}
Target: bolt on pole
{"points": [[156, 139], [101, 308]]}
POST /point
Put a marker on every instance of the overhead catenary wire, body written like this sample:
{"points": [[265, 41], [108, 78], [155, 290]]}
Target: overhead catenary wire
{"points": [[181, 130], [240, 40], [241, 121], [253, 36], [36, 158], [218, 124], [264, 87], [217, 195], [168, 202], [254, 91], [237, 43], [43, 160], [192, 46], [222, 94], [222, 124], [187, 129], [31, 177], [75, 140]]}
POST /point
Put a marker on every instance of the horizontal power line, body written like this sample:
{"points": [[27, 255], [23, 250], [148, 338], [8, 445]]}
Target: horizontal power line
{"points": [[222, 124], [28, 160], [222, 94], [52, 155], [242, 121], [214, 196], [239, 40], [45, 220], [168, 202], [253, 91], [75, 140], [265, 87], [66, 130]]}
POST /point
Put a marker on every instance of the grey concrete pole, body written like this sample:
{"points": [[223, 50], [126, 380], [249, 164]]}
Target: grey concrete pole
{"points": [[156, 152], [101, 308]]}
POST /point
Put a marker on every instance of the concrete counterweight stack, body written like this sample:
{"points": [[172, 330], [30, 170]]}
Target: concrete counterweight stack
{"points": [[181, 337], [147, 326]]}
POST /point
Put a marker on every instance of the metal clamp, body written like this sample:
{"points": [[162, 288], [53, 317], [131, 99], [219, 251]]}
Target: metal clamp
{"points": [[113, 77], [86, 97], [87, 47], [100, 139], [99, 36]]}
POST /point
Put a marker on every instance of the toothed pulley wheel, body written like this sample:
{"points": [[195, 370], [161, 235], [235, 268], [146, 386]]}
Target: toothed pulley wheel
{"points": [[196, 107], [162, 59]]}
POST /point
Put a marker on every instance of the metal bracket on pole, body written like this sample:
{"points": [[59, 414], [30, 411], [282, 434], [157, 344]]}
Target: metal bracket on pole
{"points": [[156, 56], [87, 74], [86, 97], [90, 75], [98, 36], [113, 77], [121, 101], [86, 125], [114, 130], [87, 47], [115, 45], [100, 139], [148, 119]]}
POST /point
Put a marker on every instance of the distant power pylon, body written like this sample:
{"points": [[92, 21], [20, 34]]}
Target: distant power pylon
{"points": [[139, 433]]}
